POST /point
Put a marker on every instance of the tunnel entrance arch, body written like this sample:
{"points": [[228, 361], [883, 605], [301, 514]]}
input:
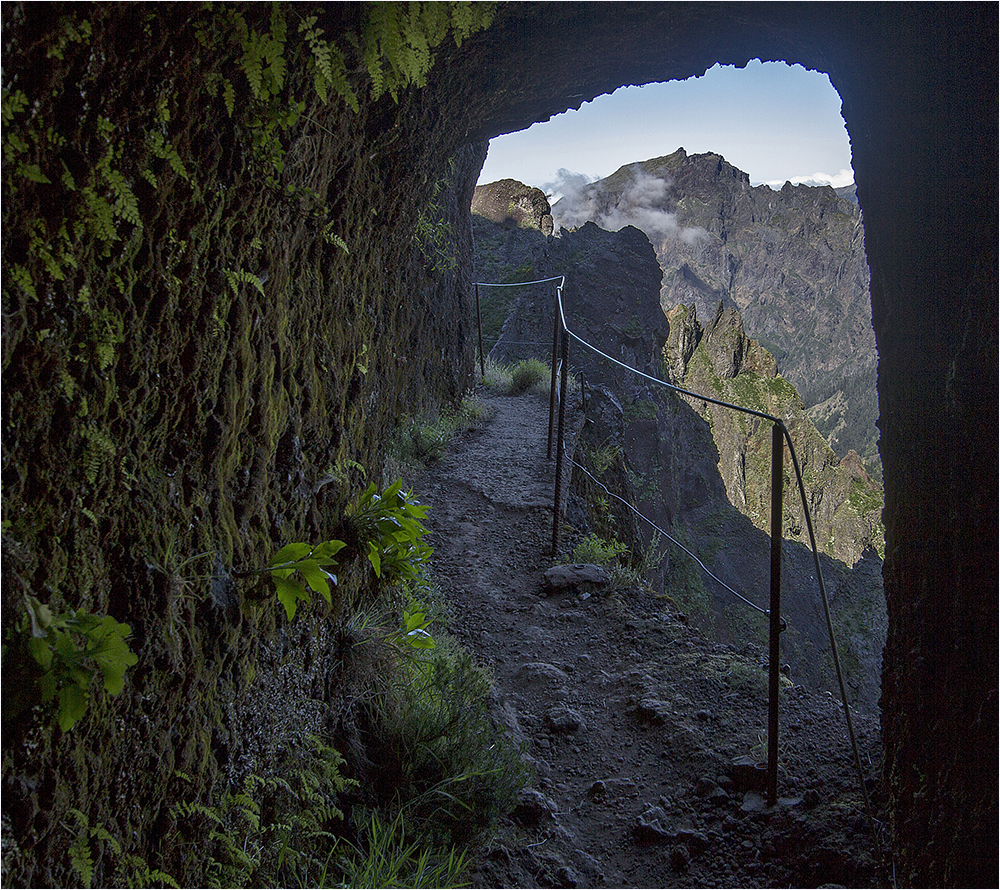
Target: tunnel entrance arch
{"points": [[919, 91]]}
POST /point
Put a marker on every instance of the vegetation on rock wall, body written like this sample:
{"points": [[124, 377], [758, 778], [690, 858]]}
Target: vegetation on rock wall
{"points": [[844, 502], [204, 320]]}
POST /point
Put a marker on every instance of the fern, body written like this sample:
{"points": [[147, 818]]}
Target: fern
{"points": [[237, 277], [22, 278], [329, 66], [159, 146], [398, 39], [81, 860], [331, 237], [100, 450]]}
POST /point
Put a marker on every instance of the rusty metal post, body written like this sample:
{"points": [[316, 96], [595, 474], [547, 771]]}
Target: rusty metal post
{"points": [[479, 326], [556, 327], [557, 500], [777, 456]]}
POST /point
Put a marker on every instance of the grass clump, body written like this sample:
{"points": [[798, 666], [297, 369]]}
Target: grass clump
{"points": [[528, 374], [435, 772], [445, 765], [385, 858], [624, 569], [423, 440]]}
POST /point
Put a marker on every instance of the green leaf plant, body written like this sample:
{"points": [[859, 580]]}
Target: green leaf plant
{"points": [[311, 564], [390, 527], [71, 649], [413, 630]]}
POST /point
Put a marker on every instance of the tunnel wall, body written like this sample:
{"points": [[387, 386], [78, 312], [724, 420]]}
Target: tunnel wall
{"points": [[151, 419]]}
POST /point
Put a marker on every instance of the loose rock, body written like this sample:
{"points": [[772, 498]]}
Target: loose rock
{"points": [[563, 719], [583, 576]]}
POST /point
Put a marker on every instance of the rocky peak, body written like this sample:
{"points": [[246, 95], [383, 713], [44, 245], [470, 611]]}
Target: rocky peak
{"points": [[508, 199], [792, 261]]}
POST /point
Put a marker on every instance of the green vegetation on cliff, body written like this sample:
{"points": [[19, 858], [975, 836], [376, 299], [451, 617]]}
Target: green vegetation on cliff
{"points": [[206, 350]]}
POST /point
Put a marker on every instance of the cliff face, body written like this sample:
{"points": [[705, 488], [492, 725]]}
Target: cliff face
{"points": [[792, 261], [845, 504]]}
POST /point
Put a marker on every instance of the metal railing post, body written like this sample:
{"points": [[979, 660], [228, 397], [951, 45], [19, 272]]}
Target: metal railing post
{"points": [[555, 364], [479, 326], [557, 500], [777, 456]]}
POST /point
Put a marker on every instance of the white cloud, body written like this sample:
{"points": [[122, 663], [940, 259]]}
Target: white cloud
{"points": [[639, 205], [837, 180]]}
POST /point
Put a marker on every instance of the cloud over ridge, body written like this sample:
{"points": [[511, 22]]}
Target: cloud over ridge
{"points": [[640, 204]]}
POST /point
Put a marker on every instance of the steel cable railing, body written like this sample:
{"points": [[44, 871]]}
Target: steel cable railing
{"points": [[670, 538], [562, 335], [479, 315]]}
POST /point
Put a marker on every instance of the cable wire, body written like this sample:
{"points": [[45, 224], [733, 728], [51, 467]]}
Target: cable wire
{"points": [[672, 540]]}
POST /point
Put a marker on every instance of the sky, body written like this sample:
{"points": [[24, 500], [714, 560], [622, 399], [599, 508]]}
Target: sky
{"points": [[774, 121]]}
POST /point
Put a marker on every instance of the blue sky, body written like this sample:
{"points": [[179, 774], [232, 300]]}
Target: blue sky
{"points": [[772, 120]]}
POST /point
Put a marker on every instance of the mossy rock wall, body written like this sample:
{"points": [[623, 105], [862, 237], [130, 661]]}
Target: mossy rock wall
{"points": [[204, 352], [924, 152]]}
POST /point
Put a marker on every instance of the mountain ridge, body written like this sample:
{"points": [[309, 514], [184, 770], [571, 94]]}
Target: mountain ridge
{"points": [[792, 261]]}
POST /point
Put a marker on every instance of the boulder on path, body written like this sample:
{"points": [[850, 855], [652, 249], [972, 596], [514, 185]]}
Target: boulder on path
{"points": [[560, 579]]}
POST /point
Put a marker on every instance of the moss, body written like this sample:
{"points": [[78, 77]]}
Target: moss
{"points": [[146, 390]]}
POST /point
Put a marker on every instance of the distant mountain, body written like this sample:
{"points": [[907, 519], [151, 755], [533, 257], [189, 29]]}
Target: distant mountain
{"points": [[792, 261]]}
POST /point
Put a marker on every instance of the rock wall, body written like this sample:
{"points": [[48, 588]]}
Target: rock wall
{"points": [[204, 354], [173, 402]]}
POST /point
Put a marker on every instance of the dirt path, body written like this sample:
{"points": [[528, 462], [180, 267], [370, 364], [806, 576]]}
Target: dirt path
{"points": [[629, 718]]}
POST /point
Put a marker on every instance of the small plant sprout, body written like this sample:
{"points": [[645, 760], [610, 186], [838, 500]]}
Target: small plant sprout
{"points": [[71, 649]]}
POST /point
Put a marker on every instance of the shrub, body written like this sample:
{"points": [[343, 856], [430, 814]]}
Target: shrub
{"points": [[528, 374], [424, 440]]}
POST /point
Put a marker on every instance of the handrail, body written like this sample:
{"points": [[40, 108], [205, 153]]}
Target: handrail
{"points": [[779, 425], [670, 538]]}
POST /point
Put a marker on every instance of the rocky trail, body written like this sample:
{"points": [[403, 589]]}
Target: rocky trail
{"points": [[629, 719]]}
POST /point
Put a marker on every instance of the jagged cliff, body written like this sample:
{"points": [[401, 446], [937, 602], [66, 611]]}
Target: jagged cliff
{"points": [[792, 261], [719, 360]]}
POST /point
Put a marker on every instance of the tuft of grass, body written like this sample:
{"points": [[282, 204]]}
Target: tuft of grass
{"points": [[425, 439], [497, 376], [528, 374], [385, 857]]}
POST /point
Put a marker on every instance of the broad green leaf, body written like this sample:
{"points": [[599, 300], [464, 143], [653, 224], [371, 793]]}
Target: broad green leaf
{"points": [[80, 676], [114, 657], [72, 706], [420, 639], [41, 616], [374, 557], [414, 620], [41, 650], [65, 647], [47, 684], [290, 553], [315, 577], [289, 593], [327, 550]]}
